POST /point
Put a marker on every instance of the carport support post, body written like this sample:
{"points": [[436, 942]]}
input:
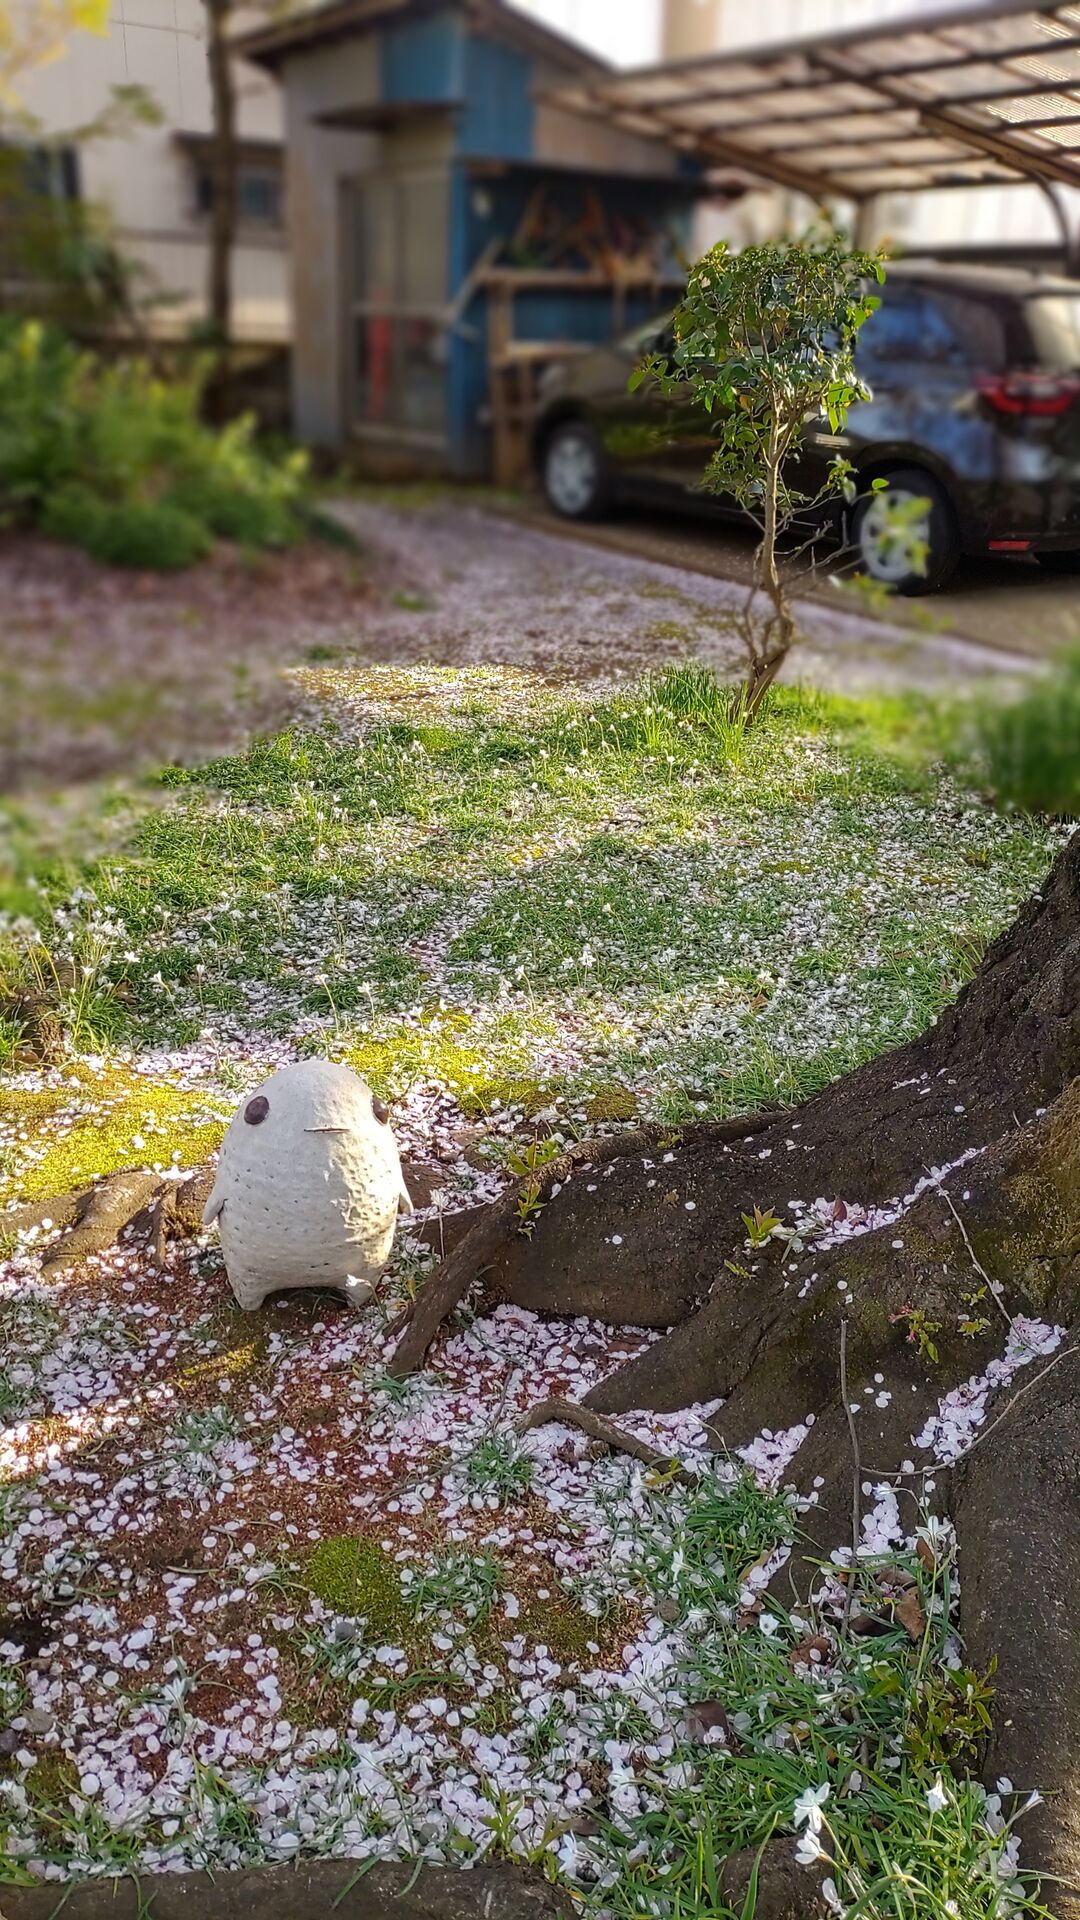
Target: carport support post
{"points": [[1067, 214], [867, 216]]}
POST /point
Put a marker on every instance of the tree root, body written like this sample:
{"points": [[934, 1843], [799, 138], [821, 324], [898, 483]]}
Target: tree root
{"points": [[515, 1212], [1016, 1506], [571, 1413], [135, 1202], [991, 1097]]}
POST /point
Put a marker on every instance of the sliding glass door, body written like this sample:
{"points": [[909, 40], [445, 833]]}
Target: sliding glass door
{"points": [[396, 232]]}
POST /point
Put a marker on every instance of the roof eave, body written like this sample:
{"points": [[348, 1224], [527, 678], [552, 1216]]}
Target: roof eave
{"points": [[271, 46]]}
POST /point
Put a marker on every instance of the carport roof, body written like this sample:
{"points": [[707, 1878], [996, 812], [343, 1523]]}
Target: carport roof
{"points": [[979, 95]]}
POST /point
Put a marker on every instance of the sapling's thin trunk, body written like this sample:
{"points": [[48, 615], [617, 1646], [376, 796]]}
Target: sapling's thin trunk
{"points": [[768, 645]]}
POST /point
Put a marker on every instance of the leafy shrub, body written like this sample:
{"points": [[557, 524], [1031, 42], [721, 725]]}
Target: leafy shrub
{"points": [[1028, 750], [131, 533], [39, 375], [764, 339], [118, 459], [251, 517]]}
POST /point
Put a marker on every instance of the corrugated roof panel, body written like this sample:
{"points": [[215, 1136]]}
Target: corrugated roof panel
{"points": [[987, 93]]}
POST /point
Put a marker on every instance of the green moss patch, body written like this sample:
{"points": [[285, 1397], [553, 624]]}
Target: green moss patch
{"points": [[57, 1138], [486, 1074], [610, 1103], [352, 1575], [563, 1627]]}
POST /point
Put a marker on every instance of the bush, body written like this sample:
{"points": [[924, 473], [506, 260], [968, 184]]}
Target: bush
{"points": [[118, 460], [39, 378], [232, 512], [131, 533], [1028, 751]]}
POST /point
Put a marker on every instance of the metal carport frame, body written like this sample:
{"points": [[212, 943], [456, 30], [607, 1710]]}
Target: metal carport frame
{"points": [[982, 95]]}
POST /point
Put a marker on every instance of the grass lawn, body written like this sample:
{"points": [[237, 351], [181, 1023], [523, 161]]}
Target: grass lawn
{"points": [[269, 1601]]}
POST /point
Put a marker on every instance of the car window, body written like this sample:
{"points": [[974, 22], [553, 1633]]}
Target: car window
{"points": [[656, 336], [978, 324], [908, 326], [1054, 323]]}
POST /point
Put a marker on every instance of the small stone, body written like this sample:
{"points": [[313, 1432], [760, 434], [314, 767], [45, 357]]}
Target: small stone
{"points": [[36, 1720]]}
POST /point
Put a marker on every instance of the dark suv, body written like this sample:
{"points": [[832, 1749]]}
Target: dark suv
{"points": [[975, 375]]}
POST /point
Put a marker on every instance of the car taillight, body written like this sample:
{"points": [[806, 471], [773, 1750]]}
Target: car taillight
{"points": [[1030, 393]]}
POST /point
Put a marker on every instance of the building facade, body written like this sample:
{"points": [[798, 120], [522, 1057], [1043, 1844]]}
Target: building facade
{"points": [[154, 181], [452, 230]]}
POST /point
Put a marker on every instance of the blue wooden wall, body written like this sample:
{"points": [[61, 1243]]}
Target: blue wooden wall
{"points": [[498, 117], [487, 86], [422, 60]]}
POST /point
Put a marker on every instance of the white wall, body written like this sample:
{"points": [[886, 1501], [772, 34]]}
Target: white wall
{"points": [[320, 159], [145, 179]]}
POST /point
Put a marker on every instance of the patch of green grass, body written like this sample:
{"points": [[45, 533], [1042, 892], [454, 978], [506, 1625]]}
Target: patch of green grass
{"points": [[498, 1466], [484, 1075], [1027, 749], [873, 1728], [633, 906], [464, 1584], [29, 1327]]}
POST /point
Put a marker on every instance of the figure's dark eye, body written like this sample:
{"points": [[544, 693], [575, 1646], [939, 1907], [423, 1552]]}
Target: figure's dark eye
{"points": [[380, 1109], [256, 1110]]}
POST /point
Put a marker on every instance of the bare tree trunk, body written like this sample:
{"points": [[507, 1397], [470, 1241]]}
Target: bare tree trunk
{"points": [[768, 642], [223, 169]]}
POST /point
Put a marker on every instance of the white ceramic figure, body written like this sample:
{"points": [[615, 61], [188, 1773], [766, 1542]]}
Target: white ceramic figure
{"points": [[308, 1186]]}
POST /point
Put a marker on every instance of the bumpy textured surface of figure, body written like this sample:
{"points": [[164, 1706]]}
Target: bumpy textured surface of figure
{"points": [[308, 1186]]}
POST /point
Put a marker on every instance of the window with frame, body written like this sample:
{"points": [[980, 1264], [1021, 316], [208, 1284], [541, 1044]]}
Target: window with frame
{"points": [[909, 326], [259, 199], [47, 172]]}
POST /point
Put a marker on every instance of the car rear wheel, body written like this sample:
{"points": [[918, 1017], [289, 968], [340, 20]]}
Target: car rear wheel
{"points": [[1067, 562], [919, 553], [575, 471]]}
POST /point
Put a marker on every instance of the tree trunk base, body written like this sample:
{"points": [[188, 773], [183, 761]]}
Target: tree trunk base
{"points": [[849, 1346]]}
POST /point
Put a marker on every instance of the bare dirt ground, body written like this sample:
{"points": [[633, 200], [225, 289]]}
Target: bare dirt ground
{"points": [[103, 672]]}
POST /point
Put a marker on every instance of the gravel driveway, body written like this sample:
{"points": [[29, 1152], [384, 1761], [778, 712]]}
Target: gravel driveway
{"points": [[103, 673], [476, 586]]}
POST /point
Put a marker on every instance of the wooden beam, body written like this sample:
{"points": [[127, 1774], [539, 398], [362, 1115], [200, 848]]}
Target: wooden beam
{"points": [[913, 135], [867, 77]]}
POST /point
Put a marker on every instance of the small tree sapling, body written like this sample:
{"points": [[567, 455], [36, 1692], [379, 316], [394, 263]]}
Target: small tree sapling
{"points": [[765, 340]]}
